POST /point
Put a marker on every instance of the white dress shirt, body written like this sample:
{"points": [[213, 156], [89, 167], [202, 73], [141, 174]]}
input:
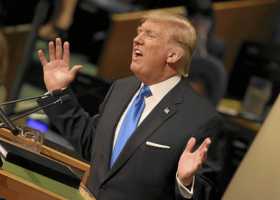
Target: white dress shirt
{"points": [[158, 90]]}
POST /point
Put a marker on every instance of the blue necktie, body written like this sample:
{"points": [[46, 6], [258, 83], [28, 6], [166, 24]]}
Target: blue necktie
{"points": [[130, 122]]}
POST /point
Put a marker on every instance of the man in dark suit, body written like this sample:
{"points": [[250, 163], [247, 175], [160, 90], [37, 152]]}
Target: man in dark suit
{"points": [[137, 141]]}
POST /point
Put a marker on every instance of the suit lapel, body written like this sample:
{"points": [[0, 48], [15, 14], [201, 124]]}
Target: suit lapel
{"points": [[162, 112]]}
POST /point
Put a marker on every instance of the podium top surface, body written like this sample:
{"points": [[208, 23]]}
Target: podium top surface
{"points": [[7, 136], [38, 182]]}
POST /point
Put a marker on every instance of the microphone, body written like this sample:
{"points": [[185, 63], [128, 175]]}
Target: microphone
{"points": [[60, 100], [47, 94], [8, 123]]}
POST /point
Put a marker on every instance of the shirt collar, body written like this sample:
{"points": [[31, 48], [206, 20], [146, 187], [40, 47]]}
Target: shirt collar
{"points": [[159, 90]]}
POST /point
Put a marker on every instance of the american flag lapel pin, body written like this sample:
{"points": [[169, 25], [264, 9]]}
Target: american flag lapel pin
{"points": [[166, 110]]}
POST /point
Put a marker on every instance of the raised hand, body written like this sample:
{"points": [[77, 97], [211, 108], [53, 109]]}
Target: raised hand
{"points": [[57, 72], [191, 161]]}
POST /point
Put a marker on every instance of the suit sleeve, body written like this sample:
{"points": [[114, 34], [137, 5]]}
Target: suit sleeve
{"points": [[73, 122], [204, 184]]}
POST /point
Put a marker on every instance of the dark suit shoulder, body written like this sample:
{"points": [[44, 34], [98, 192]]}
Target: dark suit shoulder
{"points": [[198, 102], [196, 115], [128, 80], [126, 85], [196, 110]]}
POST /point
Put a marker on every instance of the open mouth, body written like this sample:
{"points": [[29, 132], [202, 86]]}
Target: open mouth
{"points": [[137, 53]]}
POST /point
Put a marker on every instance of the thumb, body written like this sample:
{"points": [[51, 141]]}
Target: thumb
{"points": [[75, 69]]}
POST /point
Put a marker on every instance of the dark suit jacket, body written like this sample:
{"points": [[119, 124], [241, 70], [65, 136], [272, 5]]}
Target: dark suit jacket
{"points": [[141, 172]]}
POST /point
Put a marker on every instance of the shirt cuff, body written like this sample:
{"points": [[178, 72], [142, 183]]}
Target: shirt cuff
{"points": [[55, 92], [184, 191]]}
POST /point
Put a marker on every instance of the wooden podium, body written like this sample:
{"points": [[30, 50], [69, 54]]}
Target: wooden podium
{"points": [[18, 183]]}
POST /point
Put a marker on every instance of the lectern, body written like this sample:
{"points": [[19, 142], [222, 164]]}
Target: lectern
{"points": [[19, 183], [258, 176]]}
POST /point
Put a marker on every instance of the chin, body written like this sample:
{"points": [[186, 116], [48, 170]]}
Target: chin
{"points": [[135, 68]]}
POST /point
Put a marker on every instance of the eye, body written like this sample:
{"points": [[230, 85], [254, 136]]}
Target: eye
{"points": [[150, 34], [139, 30]]}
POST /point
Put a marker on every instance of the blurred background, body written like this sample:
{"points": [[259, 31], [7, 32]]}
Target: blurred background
{"points": [[236, 65]]}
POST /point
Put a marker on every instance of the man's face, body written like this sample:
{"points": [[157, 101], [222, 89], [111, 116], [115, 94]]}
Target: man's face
{"points": [[150, 51]]}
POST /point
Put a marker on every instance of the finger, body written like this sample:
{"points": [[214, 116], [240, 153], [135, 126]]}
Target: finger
{"points": [[66, 52], [75, 69], [58, 48], [205, 144], [204, 156], [51, 51], [42, 57], [190, 144]]}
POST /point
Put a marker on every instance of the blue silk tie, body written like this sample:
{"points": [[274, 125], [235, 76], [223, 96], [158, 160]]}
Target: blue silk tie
{"points": [[130, 121]]}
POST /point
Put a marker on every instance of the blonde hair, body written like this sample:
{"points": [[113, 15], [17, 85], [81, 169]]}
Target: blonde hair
{"points": [[183, 33]]}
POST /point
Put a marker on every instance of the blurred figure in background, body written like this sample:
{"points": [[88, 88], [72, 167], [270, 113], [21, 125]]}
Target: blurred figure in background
{"points": [[202, 16], [84, 23], [60, 21], [207, 73]]}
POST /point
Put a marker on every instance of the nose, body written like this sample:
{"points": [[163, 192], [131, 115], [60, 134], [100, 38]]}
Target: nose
{"points": [[138, 39]]}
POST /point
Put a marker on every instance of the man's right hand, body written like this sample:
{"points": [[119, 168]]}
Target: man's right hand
{"points": [[57, 73]]}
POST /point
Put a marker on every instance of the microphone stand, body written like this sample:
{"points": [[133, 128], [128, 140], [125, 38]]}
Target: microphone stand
{"points": [[15, 130]]}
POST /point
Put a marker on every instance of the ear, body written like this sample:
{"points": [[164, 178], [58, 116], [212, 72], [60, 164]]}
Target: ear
{"points": [[174, 55]]}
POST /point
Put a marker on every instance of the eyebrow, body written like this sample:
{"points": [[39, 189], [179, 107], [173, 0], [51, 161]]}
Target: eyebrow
{"points": [[148, 31]]}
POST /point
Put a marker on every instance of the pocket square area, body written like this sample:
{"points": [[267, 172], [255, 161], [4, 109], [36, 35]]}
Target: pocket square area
{"points": [[152, 144]]}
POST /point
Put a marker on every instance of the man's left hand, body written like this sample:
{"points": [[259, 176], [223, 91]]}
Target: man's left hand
{"points": [[191, 161]]}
